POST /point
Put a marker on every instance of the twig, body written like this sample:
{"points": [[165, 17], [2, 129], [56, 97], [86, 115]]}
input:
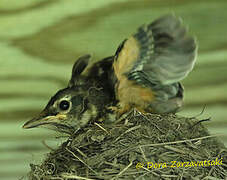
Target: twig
{"points": [[123, 116], [79, 151], [143, 154], [120, 173], [182, 141], [175, 149], [131, 129], [204, 107], [151, 122], [203, 120], [101, 127], [81, 161], [70, 176]]}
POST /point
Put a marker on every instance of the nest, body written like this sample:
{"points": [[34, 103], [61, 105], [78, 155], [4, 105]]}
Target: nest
{"points": [[137, 147]]}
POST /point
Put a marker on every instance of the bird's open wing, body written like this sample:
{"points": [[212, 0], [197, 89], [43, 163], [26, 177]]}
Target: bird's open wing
{"points": [[159, 53]]}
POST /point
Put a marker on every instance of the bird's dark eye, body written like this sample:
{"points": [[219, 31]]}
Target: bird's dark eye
{"points": [[64, 105]]}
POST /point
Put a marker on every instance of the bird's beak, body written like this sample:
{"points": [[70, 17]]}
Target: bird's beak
{"points": [[43, 119]]}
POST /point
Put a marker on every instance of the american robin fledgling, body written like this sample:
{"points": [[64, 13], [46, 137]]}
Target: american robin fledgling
{"points": [[83, 101], [144, 74]]}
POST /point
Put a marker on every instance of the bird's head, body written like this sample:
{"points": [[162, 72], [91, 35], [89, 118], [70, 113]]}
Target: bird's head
{"points": [[70, 108]]}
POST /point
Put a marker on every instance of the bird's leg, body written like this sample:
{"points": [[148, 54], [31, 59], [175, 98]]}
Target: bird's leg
{"points": [[120, 109], [112, 108], [123, 109]]}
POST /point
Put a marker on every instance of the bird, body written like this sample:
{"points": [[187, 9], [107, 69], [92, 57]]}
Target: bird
{"points": [[150, 64], [82, 102], [144, 73]]}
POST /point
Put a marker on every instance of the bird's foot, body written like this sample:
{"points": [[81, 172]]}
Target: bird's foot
{"points": [[112, 108], [119, 109]]}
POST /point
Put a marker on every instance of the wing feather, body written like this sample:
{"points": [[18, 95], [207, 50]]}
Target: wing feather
{"points": [[165, 53]]}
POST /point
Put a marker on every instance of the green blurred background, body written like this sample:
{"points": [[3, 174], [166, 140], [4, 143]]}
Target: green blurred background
{"points": [[41, 39]]}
